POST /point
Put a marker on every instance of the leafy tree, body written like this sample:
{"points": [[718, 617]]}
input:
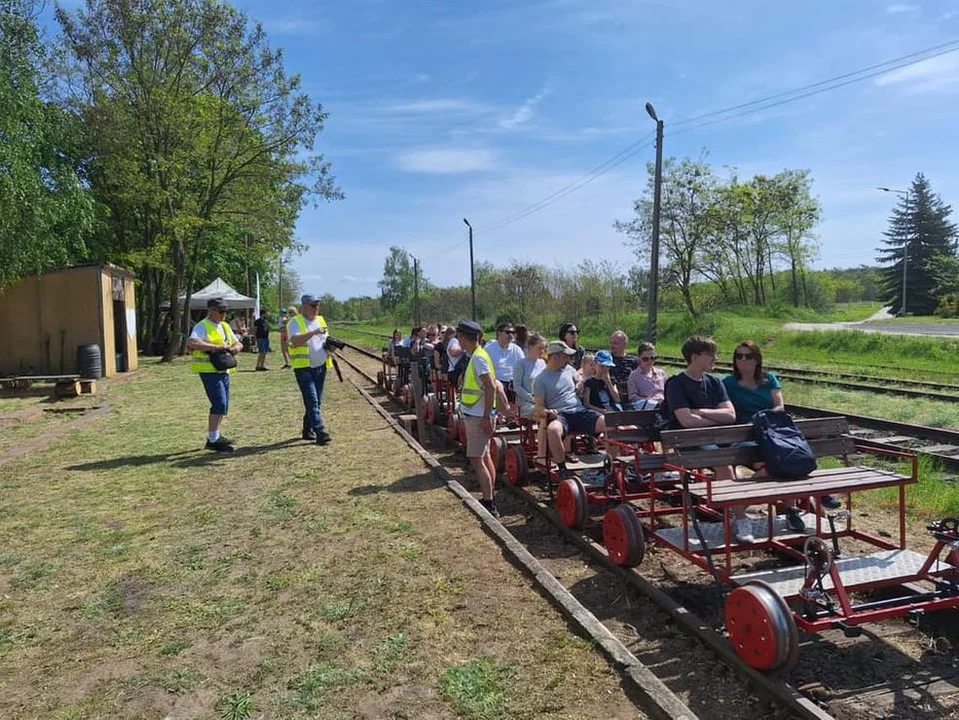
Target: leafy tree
{"points": [[396, 285], [197, 137], [919, 230], [47, 213]]}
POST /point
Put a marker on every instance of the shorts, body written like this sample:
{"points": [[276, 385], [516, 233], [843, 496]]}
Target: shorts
{"points": [[263, 345], [578, 421], [643, 404], [217, 386], [477, 439], [508, 391]]}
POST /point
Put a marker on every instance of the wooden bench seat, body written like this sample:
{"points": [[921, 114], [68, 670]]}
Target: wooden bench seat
{"points": [[827, 437], [631, 427]]}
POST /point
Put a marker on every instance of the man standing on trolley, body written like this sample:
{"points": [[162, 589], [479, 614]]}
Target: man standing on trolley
{"points": [[310, 361]]}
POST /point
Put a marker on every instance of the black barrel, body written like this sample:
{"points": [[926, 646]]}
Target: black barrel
{"points": [[89, 362]]}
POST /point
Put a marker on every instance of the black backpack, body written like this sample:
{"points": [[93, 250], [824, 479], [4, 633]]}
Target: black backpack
{"points": [[784, 449]]}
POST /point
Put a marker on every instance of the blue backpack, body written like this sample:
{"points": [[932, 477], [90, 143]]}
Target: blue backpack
{"points": [[783, 447]]}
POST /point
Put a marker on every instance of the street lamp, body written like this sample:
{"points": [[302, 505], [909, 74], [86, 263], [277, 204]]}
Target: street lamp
{"points": [[472, 276], [905, 249], [416, 290], [654, 251]]}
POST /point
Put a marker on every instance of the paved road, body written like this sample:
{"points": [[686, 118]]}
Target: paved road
{"points": [[876, 324]]}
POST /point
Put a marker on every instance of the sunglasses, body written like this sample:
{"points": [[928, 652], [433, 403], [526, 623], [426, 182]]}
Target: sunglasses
{"points": [[572, 332], [650, 358], [508, 332], [744, 356]]}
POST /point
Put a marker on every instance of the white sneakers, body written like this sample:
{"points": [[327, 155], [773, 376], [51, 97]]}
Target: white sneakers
{"points": [[743, 530]]}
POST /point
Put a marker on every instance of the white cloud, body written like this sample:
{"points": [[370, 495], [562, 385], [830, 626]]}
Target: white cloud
{"points": [[525, 111], [293, 26], [899, 8], [929, 75], [357, 279], [446, 161], [434, 106]]}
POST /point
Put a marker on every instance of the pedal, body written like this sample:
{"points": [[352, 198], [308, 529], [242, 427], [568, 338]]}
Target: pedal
{"points": [[839, 515], [915, 615], [850, 631]]}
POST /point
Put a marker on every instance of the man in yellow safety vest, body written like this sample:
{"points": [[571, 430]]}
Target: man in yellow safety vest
{"points": [[213, 335], [478, 402], [310, 361]]}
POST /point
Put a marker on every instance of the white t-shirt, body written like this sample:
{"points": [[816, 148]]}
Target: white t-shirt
{"points": [[199, 332], [482, 368], [315, 343], [453, 343], [504, 359]]}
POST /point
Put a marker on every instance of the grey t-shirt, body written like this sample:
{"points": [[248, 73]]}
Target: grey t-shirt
{"points": [[557, 389]]}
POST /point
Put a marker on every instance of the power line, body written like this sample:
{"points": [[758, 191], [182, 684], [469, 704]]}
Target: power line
{"points": [[716, 116]]}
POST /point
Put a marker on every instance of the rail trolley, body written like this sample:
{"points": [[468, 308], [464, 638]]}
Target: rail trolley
{"points": [[821, 585]]}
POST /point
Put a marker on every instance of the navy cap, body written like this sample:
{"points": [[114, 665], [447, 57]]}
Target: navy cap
{"points": [[218, 303], [469, 327], [308, 300]]}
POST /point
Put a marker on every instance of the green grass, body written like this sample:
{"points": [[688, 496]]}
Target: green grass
{"points": [[478, 689], [919, 320]]}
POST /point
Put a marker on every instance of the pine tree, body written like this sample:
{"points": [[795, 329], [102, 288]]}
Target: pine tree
{"points": [[920, 223]]}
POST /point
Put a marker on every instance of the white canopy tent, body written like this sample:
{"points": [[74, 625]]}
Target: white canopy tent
{"points": [[219, 289]]}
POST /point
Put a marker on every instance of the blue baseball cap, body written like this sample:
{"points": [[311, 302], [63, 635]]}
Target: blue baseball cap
{"points": [[308, 300], [605, 357]]}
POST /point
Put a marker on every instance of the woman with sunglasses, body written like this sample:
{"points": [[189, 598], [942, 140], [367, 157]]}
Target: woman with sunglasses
{"points": [[646, 384]]}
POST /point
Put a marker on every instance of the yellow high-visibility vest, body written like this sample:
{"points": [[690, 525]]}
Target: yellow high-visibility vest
{"points": [[300, 356], [472, 390], [216, 335]]}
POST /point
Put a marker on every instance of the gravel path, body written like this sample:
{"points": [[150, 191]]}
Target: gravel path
{"points": [[876, 324]]}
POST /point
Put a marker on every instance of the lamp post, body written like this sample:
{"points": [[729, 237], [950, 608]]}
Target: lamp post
{"points": [[654, 250], [416, 291], [905, 249], [472, 275]]}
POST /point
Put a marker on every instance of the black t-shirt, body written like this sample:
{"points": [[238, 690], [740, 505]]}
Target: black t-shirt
{"points": [[598, 394], [262, 326], [440, 348], [624, 366], [684, 392]]}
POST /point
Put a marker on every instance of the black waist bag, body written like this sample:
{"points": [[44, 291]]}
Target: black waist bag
{"points": [[222, 359], [784, 449]]}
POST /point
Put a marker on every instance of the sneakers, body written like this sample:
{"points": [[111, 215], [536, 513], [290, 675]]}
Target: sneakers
{"points": [[794, 520], [227, 440], [323, 438], [490, 505], [262, 369], [743, 531], [219, 445], [309, 435], [830, 503]]}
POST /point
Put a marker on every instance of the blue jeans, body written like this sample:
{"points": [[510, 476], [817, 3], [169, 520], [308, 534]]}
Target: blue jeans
{"points": [[311, 381], [217, 386]]}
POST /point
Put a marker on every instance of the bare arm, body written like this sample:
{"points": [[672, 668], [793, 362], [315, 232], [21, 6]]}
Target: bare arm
{"points": [[303, 338], [778, 400], [725, 414]]}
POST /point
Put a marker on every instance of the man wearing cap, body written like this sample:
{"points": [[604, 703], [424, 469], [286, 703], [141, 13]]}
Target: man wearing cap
{"points": [[478, 398], [600, 392], [308, 356], [569, 334], [558, 406], [213, 334]]}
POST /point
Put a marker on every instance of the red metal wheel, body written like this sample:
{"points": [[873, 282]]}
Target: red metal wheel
{"points": [[623, 536], [761, 626], [497, 451], [516, 466], [452, 426], [381, 379], [433, 408], [461, 430], [428, 413], [571, 502]]}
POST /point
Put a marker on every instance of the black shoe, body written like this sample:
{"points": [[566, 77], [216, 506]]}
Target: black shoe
{"points": [[830, 503], [285, 367], [227, 440], [490, 506], [323, 438], [794, 520], [219, 445], [309, 435], [262, 369]]}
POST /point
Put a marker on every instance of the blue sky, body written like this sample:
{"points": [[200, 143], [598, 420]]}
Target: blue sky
{"points": [[444, 110]]}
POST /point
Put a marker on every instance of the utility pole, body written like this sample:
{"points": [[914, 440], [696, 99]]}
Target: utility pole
{"points": [[416, 291], [472, 275], [905, 249], [652, 316], [279, 285]]}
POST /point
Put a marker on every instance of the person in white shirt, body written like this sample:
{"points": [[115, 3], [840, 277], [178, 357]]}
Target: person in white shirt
{"points": [[505, 354], [309, 330]]}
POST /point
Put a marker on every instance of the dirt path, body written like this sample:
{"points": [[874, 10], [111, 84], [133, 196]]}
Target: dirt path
{"points": [[875, 324], [145, 578]]}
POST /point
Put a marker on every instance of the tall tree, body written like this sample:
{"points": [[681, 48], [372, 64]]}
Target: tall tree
{"points": [[198, 137], [919, 230], [396, 285], [687, 196], [46, 213]]}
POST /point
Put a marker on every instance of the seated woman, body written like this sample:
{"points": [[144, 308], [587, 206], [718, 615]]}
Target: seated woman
{"points": [[599, 391], [751, 389], [395, 341], [646, 385], [525, 372]]}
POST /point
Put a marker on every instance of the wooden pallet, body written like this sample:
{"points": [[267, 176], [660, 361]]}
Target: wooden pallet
{"points": [[59, 385]]}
